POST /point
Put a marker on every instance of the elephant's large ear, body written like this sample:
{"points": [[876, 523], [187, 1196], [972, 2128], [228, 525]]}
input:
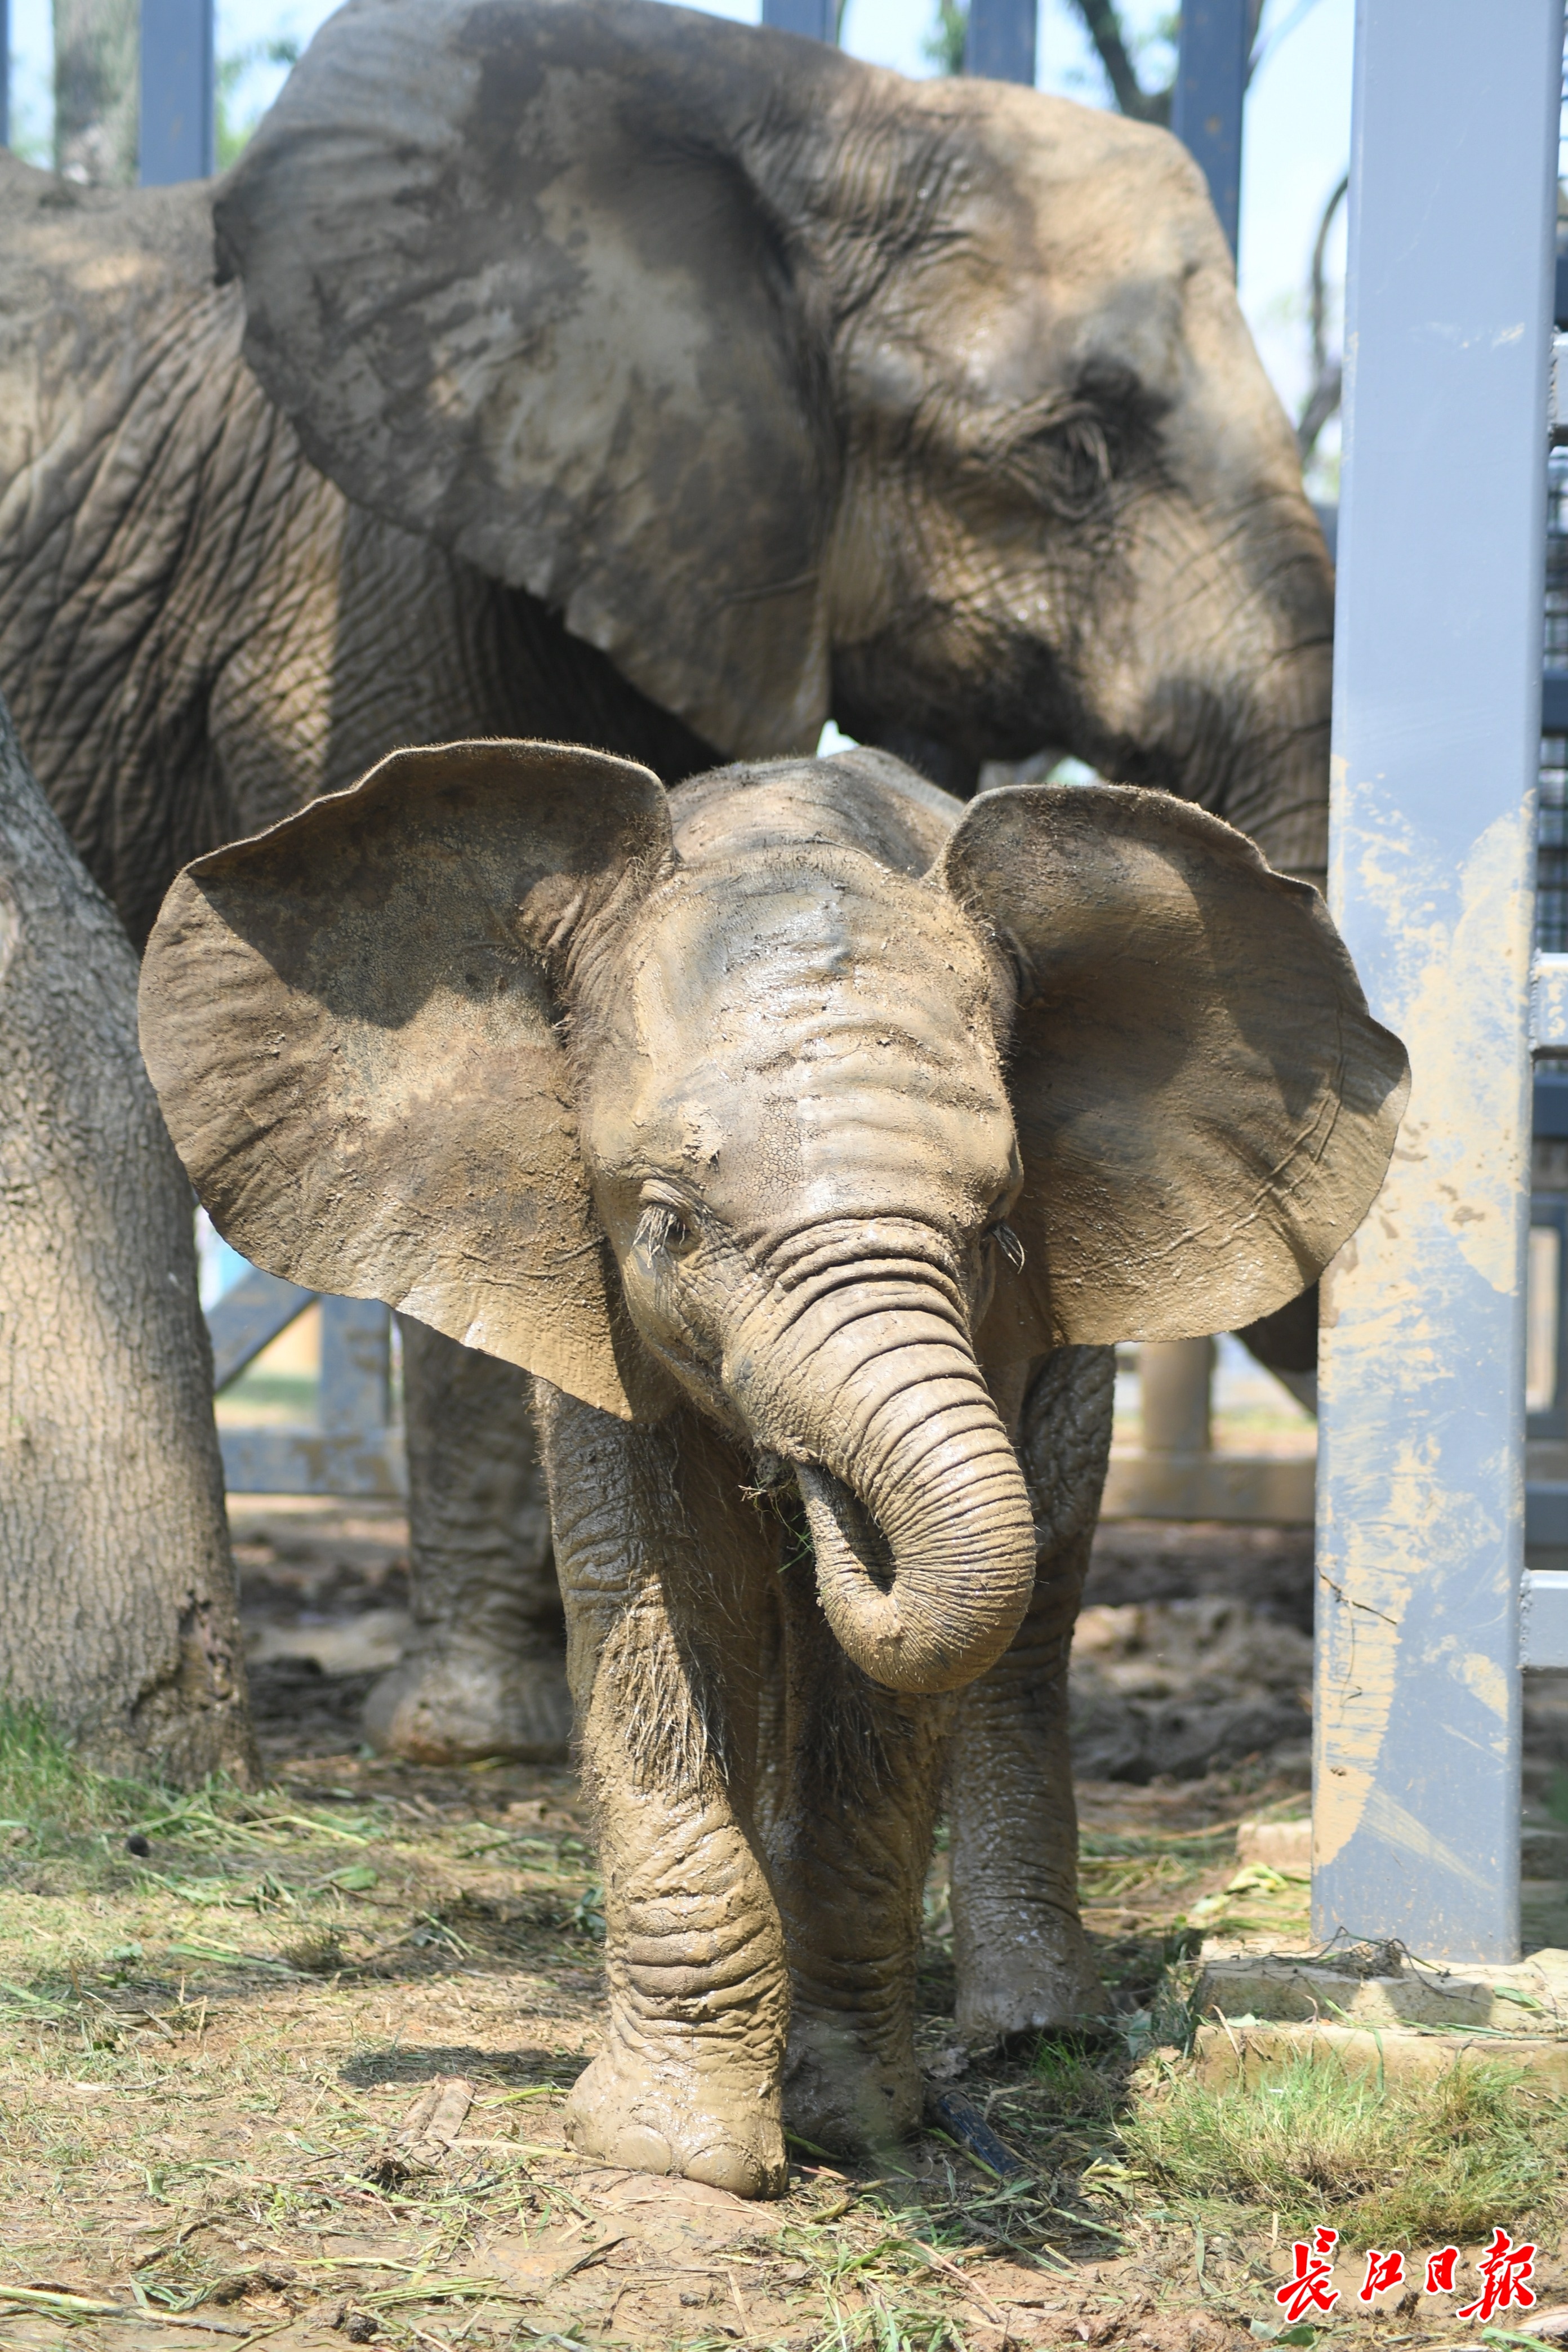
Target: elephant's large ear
{"points": [[350, 1027], [505, 268], [1205, 1108]]}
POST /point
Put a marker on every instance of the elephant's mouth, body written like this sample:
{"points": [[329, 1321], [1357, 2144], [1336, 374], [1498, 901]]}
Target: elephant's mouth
{"points": [[839, 1520]]}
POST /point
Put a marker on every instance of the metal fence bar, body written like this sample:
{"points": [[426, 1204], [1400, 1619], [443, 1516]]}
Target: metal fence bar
{"points": [[178, 92], [262, 1460], [1205, 105], [1000, 44], [352, 1449], [357, 1364], [4, 73], [247, 1318], [1437, 725], [816, 19]]}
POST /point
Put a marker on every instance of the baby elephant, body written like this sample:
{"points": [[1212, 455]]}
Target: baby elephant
{"points": [[797, 1129]]}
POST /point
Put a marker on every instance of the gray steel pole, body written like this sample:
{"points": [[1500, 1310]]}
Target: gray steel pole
{"points": [[1001, 43], [1436, 728], [178, 98], [1205, 105], [814, 19]]}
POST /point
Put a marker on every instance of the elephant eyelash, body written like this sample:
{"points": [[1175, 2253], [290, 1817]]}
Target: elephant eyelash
{"points": [[1011, 1248], [662, 1230]]}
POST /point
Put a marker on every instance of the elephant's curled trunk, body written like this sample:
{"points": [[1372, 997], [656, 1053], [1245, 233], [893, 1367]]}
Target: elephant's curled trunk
{"points": [[919, 1515]]}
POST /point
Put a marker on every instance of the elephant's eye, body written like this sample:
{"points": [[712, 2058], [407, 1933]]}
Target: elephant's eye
{"points": [[663, 1232], [1008, 1241]]}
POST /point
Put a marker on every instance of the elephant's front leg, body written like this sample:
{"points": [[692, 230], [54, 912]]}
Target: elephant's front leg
{"points": [[485, 1673], [1021, 1956], [849, 1844], [665, 1574]]}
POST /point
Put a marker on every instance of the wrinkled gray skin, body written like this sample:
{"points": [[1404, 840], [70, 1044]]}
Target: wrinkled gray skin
{"points": [[796, 388], [782, 1128]]}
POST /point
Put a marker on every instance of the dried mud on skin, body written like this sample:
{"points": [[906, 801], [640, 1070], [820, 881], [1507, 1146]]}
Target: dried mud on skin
{"points": [[295, 2074]]}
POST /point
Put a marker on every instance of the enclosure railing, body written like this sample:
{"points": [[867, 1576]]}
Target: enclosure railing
{"points": [[1421, 1515], [353, 1448]]}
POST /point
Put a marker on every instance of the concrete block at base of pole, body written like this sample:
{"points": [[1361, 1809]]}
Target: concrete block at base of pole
{"points": [[1226, 2056], [1276, 1845], [1380, 1989], [1372, 2010]]}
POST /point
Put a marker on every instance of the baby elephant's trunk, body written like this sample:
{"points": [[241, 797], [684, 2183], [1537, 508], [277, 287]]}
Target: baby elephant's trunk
{"points": [[919, 1514]]}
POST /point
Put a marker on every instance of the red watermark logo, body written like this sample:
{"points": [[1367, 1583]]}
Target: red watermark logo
{"points": [[1505, 2271], [1312, 2288], [1505, 2268]]}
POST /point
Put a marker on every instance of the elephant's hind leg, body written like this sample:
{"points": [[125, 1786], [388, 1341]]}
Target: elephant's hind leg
{"points": [[1022, 1958], [849, 1848], [654, 1551], [485, 1673]]}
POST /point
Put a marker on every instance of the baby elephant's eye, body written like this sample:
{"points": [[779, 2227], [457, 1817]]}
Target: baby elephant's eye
{"points": [[663, 1231], [1011, 1248]]}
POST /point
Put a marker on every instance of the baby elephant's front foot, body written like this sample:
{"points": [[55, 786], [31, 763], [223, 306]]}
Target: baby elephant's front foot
{"points": [[669, 2112]]}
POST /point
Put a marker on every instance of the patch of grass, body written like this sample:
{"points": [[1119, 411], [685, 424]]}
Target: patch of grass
{"points": [[54, 1803], [318, 1952], [1114, 1866], [1391, 2163], [1072, 2080], [45, 1787]]}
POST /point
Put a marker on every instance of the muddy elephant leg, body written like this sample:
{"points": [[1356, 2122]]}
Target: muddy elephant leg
{"points": [[1022, 1958], [666, 1571], [485, 1672], [849, 1847]]}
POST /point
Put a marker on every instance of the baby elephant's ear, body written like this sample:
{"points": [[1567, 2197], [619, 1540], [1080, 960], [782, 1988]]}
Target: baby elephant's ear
{"points": [[350, 1025], [1205, 1105]]}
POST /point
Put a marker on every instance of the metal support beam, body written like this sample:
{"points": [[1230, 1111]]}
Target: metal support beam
{"points": [[352, 1449], [1437, 724], [249, 1318], [1000, 45], [1175, 1378], [1543, 1623], [178, 92], [1205, 105], [4, 73], [815, 19]]}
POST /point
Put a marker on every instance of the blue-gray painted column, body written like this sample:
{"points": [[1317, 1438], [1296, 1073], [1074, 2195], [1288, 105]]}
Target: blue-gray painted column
{"points": [[814, 19], [1205, 105], [1436, 723], [1001, 40], [178, 101]]}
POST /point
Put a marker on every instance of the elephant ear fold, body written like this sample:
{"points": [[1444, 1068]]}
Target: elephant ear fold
{"points": [[350, 1025], [506, 271], [1205, 1107]]}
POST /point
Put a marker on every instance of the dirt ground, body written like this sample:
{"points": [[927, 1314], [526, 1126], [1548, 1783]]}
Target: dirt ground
{"points": [[289, 2068]]}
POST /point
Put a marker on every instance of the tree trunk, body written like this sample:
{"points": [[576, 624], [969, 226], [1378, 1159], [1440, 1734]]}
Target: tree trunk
{"points": [[98, 53], [118, 1610]]}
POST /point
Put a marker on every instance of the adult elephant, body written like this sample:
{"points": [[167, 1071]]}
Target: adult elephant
{"points": [[594, 369]]}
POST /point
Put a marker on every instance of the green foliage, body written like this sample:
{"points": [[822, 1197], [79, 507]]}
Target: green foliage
{"points": [[234, 130], [944, 45], [51, 1802], [32, 144], [45, 1788], [1074, 2081], [1388, 2164]]}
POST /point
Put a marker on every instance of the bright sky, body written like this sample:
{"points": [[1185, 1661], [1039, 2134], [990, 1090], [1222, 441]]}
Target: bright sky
{"points": [[1295, 144]]}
